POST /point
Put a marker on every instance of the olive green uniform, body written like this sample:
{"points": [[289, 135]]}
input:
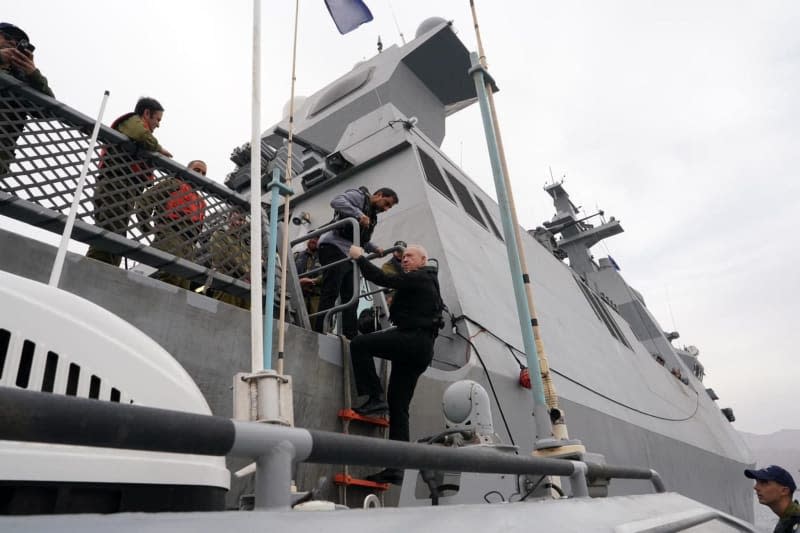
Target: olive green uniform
{"points": [[119, 185], [230, 255], [12, 122]]}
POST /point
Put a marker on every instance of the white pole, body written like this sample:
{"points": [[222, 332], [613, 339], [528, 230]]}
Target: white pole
{"points": [[58, 265], [256, 324]]}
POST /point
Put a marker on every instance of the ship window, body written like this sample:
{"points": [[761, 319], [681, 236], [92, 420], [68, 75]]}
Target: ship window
{"points": [[489, 218], [466, 199], [433, 175], [603, 315]]}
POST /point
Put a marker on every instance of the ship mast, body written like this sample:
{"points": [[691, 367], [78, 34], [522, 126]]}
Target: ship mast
{"points": [[544, 394]]}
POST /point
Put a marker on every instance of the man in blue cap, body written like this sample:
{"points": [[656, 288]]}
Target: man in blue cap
{"points": [[774, 488], [16, 59]]}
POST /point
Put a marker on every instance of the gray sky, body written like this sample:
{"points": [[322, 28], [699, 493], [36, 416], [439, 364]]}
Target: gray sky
{"points": [[677, 117]]}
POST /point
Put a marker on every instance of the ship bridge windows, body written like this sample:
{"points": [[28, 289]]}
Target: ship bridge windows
{"points": [[602, 312], [466, 199], [489, 218], [473, 205], [434, 176]]}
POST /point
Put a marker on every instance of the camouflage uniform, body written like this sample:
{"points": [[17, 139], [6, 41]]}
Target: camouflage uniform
{"points": [[230, 255], [305, 261], [789, 521], [120, 182], [178, 212]]}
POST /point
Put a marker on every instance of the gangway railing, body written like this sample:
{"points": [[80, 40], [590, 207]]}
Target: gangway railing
{"points": [[357, 278], [136, 204], [31, 416]]}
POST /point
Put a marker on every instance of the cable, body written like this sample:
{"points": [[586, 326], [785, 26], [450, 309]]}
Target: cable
{"points": [[486, 496], [491, 385], [512, 349]]}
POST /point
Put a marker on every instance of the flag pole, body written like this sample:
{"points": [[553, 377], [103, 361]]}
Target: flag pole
{"points": [[256, 324], [559, 427], [58, 265], [286, 202]]}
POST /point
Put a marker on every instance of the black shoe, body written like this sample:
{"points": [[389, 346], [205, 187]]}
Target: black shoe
{"points": [[373, 406], [387, 475]]}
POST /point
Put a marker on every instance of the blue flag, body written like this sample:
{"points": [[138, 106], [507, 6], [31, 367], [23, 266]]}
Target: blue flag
{"points": [[348, 14]]}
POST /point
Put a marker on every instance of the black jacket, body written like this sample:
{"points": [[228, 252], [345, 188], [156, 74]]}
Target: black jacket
{"points": [[416, 304]]}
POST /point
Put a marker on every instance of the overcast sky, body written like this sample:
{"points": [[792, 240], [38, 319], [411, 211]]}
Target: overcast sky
{"points": [[680, 118]]}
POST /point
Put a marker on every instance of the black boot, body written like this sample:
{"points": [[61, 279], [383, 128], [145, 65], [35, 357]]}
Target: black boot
{"points": [[387, 475], [373, 406]]}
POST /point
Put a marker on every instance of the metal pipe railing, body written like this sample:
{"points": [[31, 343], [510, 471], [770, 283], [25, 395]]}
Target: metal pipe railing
{"points": [[30, 416], [328, 313]]}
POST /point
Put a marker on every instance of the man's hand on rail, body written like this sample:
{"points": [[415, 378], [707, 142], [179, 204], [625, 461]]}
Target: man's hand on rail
{"points": [[356, 251]]}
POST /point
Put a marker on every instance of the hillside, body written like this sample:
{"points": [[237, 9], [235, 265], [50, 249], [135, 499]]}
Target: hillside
{"points": [[780, 448]]}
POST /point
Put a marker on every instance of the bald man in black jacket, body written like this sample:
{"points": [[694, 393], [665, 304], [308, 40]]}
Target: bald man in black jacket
{"points": [[416, 311]]}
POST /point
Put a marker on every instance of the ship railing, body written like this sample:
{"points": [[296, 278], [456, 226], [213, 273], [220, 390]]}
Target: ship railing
{"points": [[358, 294], [31, 416], [136, 204]]}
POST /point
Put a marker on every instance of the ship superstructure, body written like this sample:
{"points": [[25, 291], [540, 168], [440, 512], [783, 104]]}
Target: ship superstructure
{"points": [[627, 392]]}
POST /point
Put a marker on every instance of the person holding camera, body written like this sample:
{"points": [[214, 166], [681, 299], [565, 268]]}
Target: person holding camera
{"points": [[16, 59], [416, 310]]}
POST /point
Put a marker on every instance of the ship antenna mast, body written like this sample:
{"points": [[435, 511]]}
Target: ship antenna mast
{"points": [[396, 24], [537, 360]]}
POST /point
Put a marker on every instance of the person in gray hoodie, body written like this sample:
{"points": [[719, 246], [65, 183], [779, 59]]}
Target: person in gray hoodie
{"points": [[335, 245]]}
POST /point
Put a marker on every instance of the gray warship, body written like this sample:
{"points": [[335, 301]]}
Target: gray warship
{"points": [[629, 394]]}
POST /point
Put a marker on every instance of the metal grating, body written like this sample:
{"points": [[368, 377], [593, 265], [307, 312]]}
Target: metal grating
{"points": [[135, 204]]}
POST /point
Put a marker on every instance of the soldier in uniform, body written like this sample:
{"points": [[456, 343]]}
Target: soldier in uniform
{"points": [[16, 59], [774, 488], [305, 261], [230, 255], [178, 212], [121, 180]]}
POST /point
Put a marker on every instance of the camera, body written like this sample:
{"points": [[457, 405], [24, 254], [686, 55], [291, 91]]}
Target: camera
{"points": [[23, 45]]}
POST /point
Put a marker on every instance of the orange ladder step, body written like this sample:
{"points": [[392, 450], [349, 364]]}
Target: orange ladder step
{"points": [[349, 414], [348, 480]]}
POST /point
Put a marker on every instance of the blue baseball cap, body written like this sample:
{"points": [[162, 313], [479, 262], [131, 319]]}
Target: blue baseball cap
{"points": [[773, 473]]}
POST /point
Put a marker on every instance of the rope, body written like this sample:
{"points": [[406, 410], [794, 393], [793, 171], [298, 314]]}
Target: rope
{"points": [[550, 395], [512, 350], [287, 200]]}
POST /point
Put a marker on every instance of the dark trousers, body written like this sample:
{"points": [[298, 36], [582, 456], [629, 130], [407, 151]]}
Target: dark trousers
{"points": [[336, 281], [410, 351]]}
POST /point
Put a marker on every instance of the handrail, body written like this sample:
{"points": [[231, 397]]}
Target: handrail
{"points": [[32, 416], [135, 204], [356, 272]]}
